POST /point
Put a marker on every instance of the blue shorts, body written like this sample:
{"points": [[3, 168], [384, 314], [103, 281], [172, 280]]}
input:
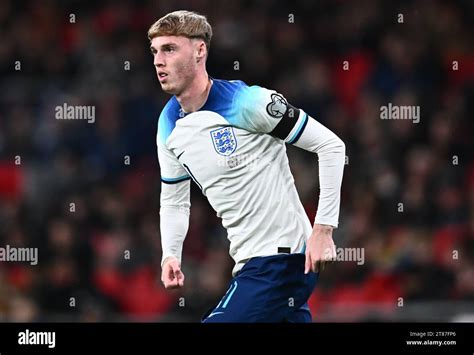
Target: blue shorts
{"points": [[267, 289]]}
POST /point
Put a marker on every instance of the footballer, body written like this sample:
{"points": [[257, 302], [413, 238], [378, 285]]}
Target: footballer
{"points": [[229, 138]]}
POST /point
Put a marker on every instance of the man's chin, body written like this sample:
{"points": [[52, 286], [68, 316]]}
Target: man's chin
{"points": [[168, 89]]}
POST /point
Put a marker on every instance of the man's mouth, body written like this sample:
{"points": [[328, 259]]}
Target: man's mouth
{"points": [[162, 76]]}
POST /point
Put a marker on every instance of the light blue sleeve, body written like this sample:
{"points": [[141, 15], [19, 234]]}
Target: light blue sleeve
{"points": [[258, 109]]}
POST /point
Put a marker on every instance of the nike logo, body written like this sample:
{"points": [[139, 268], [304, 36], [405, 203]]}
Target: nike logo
{"points": [[181, 154], [214, 314]]}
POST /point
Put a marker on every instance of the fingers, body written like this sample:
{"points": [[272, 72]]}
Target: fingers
{"points": [[173, 282], [172, 276], [307, 264], [316, 266], [318, 263], [179, 277]]}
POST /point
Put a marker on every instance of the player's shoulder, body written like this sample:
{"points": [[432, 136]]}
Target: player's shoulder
{"points": [[248, 94], [257, 107], [222, 94], [228, 85], [253, 98], [237, 88], [221, 97], [236, 94], [168, 117]]}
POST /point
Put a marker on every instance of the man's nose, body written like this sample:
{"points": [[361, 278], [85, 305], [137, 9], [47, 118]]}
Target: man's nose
{"points": [[158, 60]]}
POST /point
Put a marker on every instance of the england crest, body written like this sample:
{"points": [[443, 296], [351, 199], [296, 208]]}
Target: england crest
{"points": [[224, 141]]}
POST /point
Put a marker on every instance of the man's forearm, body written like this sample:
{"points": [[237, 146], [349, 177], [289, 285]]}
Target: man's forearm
{"points": [[174, 223], [331, 154], [174, 218]]}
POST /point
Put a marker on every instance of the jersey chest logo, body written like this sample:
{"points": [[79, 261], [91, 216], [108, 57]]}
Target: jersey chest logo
{"points": [[224, 140]]}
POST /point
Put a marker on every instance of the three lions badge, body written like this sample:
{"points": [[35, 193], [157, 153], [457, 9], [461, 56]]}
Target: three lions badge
{"points": [[224, 141]]}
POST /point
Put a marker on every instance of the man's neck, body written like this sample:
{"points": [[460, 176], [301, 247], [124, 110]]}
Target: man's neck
{"points": [[195, 96]]}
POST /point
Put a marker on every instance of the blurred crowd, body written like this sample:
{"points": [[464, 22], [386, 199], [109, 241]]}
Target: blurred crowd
{"points": [[87, 194]]}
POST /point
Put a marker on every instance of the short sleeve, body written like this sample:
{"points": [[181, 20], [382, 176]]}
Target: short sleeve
{"points": [[267, 111]]}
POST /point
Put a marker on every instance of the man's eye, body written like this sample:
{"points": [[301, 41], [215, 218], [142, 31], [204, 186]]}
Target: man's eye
{"points": [[170, 49]]}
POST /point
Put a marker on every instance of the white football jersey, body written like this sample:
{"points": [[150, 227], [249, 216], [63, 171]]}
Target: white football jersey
{"points": [[233, 148]]}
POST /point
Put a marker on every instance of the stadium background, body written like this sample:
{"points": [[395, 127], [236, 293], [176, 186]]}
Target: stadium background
{"points": [[84, 273]]}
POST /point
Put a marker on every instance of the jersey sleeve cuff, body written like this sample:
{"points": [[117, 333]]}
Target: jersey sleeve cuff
{"points": [[167, 180], [326, 221]]}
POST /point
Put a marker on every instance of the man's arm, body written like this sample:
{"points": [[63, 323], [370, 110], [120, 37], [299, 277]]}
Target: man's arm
{"points": [[331, 153], [267, 111], [174, 215], [174, 223]]}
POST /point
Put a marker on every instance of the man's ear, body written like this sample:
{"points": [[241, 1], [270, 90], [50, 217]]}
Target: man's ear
{"points": [[201, 51]]}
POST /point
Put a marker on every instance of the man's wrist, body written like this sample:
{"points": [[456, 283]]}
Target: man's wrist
{"points": [[323, 228], [168, 258]]}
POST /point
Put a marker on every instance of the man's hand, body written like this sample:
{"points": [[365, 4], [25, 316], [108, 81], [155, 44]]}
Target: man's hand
{"points": [[320, 248], [171, 274]]}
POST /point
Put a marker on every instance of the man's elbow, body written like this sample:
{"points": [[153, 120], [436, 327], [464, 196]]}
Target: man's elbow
{"points": [[338, 146]]}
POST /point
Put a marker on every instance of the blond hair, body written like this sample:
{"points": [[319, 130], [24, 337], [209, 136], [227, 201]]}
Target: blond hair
{"points": [[182, 23]]}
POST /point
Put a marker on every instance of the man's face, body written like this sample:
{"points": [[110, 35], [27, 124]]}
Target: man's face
{"points": [[175, 62]]}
